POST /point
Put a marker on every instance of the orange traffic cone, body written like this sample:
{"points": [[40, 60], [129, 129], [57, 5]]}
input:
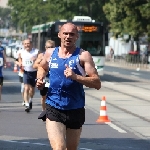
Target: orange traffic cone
{"points": [[103, 115], [15, 68]]}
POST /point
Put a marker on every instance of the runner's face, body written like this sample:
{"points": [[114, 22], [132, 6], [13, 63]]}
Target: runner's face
{"points": [[48, 46], [27, 45], [68, 35]]}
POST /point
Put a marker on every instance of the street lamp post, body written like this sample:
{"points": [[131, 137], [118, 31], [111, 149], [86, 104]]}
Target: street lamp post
{"points": [[80, 10]]}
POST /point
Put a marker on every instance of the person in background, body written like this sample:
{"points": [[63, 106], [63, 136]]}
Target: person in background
{"points": [[2, 49], [48, 45], [26, 60], [111, 53], [90, 48], [67, 66], [2, 63]]}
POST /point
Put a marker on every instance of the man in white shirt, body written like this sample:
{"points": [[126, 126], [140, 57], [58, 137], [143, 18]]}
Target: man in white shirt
{"points": [[26, 60]]}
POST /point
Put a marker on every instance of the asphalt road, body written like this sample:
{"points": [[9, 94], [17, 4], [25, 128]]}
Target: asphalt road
{"points": [[23, 131], [128, 72]]}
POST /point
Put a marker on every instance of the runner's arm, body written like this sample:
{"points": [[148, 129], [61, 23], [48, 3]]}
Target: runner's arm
{"points": [[93, 79], [20, 60], [4, 56], [43, 66], [38, 60], [42, 70]]}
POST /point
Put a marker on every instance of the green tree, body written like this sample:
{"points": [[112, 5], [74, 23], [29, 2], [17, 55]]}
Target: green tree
{"points": [[127, 17], [145, 12], [31, 12], [5, 17]]}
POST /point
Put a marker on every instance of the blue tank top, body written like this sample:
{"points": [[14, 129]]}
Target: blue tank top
{"points": [[65, 93], [1, 66]]}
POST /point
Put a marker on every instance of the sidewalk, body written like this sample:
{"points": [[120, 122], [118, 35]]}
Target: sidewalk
{"points": [[125, 65]]}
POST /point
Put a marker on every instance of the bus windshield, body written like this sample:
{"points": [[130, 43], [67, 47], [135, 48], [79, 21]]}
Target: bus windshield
{"points": [[92, 42]]}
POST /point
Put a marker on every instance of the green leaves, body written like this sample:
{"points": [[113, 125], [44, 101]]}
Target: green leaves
{"points": [[4, 17], [128, 17], [33, 12]]}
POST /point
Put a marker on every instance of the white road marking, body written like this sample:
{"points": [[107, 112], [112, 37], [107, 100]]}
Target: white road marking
{"points": [[116, 127], [135, 73], [11, 141], [114, 72], [11, 82], [107, 82], [40, 144]]}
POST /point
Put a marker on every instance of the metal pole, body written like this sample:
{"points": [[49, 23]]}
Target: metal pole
{"points": [[39, 36]]}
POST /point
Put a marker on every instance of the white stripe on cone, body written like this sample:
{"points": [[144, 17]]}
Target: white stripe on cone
{"points": [[102, 113], [103, 103]]}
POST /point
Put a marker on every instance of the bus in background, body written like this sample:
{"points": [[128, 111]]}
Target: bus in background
{"points": [[91, 37]]}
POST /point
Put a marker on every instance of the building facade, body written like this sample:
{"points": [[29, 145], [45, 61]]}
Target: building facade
{"points": [[3, 3]]}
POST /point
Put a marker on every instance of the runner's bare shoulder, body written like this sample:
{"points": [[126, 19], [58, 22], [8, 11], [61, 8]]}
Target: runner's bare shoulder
{"points": [[48, 54]]}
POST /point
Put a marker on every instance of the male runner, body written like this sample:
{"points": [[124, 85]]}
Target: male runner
{"points": [[48, 45], [67, 66], [26, 60]]}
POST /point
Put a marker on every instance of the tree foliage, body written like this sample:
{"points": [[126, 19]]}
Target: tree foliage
{"points": [[128, 17], [31, 12], [122, 16], [4, 17]]}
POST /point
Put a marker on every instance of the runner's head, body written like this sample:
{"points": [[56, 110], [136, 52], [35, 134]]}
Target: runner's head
{"points": [[68, 34], [49, 44], [27, 44]]}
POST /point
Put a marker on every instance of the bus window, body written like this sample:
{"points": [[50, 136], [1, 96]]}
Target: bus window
{"points": [[92, 42], [91, 48]]}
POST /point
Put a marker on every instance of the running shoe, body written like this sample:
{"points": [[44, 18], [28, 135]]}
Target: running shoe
{"points": [[23, 103], [27, 108]]}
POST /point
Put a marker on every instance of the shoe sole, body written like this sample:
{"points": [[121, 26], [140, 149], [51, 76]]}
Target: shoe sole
{"points": [[27, 109]]}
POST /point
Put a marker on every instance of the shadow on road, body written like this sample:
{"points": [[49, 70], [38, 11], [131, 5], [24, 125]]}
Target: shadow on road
{"points": [[113, 78], [85, 143]]}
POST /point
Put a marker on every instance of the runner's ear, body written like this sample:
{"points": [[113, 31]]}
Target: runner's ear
{"points": [[59, 35]]}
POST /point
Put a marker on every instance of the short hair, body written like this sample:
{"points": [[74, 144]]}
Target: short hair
{"points": [[50, 42], [28, 40], [71, 24]]}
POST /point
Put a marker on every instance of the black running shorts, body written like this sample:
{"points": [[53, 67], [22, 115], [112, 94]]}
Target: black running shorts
{"points": [[29, 78], [1, 81], [44, 91], [73, 119]]}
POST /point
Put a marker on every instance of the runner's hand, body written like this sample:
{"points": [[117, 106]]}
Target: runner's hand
{"points": [[69, 73], [40, 83]]}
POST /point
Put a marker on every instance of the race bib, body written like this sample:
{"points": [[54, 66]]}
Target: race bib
{"points": [[47, 84], [1, 62], [28, 63]]}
